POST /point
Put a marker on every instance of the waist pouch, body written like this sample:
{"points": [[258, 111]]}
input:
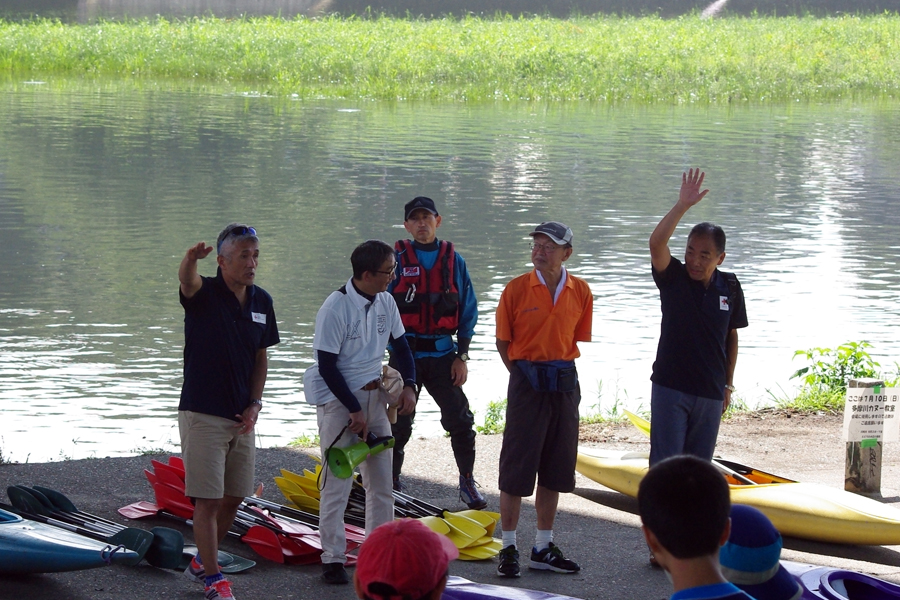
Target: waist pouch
{"points": [[554, 376]]}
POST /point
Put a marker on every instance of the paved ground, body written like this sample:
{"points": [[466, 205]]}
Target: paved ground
{"points": [[597, 527]]}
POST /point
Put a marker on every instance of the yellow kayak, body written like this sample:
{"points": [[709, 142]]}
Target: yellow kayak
{"points": [[804, 510]]}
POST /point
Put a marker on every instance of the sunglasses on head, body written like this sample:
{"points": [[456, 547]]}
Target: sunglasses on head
{"points": [[238, 231]]}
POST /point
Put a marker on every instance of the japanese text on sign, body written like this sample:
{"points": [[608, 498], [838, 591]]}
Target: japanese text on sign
{"points": [[871, 414]]}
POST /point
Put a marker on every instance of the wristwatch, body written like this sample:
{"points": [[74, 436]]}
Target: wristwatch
{"points": [[257, 401], [463, 357], [730, 388]]}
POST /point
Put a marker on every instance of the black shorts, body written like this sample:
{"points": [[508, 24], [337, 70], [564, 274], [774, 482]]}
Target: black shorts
{"points": [[541, 438]]}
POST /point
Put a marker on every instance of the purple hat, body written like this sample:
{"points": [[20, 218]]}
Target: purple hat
{"points": [[750, 558], [556, 231]]}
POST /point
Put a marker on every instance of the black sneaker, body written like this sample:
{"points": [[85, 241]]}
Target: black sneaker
{"points": [[468, 492], [509, 562], [552, 559], [334, 573]]}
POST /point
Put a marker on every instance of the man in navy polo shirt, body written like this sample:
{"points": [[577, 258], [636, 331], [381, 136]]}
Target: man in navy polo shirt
{"points": [[702, 309], [228, 324]]}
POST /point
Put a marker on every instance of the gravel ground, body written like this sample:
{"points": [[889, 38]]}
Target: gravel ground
{"points": [[596, 527]]}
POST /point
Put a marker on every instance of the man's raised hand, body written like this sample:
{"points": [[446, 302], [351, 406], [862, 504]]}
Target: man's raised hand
{"points": [[691, 182], [200, 251]]}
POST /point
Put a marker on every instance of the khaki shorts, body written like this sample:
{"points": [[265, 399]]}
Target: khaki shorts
{"points": [[217, 461]]}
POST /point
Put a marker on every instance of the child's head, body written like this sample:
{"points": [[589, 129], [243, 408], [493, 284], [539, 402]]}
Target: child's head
{"points": [[403, 559], [684, 502], [750, 559]]}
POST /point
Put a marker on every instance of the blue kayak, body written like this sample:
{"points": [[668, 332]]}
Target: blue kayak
{"points": [[463, 589], [825, 583], [32, 547]]}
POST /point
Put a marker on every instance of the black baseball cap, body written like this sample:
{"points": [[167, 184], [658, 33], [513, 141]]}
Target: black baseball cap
{"points": [[556, 231], [417, 203]]}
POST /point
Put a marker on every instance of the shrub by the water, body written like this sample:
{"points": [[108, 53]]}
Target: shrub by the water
{"points": [[603, 59]]}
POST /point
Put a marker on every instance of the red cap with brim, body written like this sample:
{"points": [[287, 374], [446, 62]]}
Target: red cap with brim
{"points": [[403, 558]]}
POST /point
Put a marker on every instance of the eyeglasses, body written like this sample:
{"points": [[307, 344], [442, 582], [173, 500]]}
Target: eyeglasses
{"points": [[237, 232], [392, 272], [545, 247]]}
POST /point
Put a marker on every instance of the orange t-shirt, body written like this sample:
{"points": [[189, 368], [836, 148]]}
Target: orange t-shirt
{"points": [[538, 330]]}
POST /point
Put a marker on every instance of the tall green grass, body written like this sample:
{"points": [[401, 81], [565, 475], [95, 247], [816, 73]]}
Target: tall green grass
{"points": [[610, 60]]}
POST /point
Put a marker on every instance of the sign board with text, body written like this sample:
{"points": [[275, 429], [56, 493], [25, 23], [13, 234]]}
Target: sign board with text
{"points": [[872, 415]]}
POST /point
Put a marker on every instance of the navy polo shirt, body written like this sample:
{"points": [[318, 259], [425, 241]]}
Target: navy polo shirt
{"points": [[221, 342], [696, 320]]}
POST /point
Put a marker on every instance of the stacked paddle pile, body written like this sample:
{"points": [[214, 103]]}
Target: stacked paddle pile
{"points": [[470, 530], [162, 547], [275, 532]]}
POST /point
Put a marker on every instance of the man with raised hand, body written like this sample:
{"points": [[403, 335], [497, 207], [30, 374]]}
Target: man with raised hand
{"points": [[436, 300], [702, 309], [228, 324], [353, 328], [541, 317]]}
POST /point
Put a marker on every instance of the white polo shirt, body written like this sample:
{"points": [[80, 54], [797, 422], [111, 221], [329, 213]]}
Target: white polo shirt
{"points": [[357, 331]]}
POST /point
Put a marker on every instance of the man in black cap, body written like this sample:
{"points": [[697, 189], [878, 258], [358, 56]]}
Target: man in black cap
{"points": [[436, 300]]}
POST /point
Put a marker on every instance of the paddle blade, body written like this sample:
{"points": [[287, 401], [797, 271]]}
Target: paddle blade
{"points": [[23, 500], [166, 548], [59, 499], [436, 524], [176, 463], [305, 502], [265, 543], [139, 510], [485, 518], [135, 539], [173, 501], [170, 478]]}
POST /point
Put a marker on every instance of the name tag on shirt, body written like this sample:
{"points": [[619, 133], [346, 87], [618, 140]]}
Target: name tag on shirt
{"points": [[723, 302], [259, 317], [410, 271]]}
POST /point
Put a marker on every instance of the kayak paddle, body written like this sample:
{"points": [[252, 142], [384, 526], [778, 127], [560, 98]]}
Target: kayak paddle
{"points": [[166, 548], [136, 540]]}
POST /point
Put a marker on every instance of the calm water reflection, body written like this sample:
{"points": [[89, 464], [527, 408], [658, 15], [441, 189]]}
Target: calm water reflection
{"points": [[103, 188]]}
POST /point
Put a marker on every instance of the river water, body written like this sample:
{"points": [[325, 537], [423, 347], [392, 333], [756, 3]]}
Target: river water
{"points": [[104, 186]]}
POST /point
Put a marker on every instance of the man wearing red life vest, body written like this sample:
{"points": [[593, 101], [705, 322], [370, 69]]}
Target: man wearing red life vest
{"points": [[434, 294]]}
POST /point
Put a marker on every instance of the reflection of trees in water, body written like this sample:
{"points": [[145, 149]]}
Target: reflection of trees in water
{"points": [[88, 10]]}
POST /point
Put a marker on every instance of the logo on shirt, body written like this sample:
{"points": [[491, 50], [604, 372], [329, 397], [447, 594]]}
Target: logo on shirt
{"points": [[382, 323], [353, 330], [532, 309], [723, 303], [258, 317], [410, 272]]}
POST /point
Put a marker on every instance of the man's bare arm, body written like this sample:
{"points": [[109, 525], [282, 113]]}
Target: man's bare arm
{"points": [[690, 194], [731, 354], [503, 349]]}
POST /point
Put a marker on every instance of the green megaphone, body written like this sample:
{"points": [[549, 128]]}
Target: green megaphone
{"points": [[342, 461]]}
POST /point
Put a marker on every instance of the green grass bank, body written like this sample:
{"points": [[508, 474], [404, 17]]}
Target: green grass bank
{"points": [[608, 60]]}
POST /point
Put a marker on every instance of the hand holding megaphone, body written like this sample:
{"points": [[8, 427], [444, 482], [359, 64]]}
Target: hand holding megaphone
{"points": [[357, 424]]}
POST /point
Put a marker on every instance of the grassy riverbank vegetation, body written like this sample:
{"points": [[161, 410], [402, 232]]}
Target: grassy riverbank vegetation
{"points": [[604, 59]]}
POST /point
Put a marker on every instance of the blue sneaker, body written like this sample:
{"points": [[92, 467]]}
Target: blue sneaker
{"points": [[468, 492]]}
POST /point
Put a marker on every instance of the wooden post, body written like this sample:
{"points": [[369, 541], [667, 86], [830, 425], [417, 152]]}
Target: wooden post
{"points": [[862, 468]]}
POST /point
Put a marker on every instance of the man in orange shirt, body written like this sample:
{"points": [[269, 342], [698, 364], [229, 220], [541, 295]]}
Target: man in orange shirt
{"points": [[541, 316]]}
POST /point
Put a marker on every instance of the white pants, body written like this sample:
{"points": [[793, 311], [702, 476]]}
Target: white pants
{"points": [[375, 470]]}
